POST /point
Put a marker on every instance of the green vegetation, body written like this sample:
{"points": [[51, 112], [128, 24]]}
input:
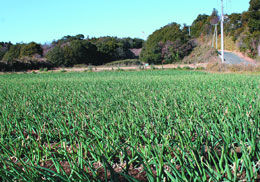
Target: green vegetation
{"points": [[167, 45], [171, 43], [75, 52], [68, 51], [4, 47], [13, 53], [20, 57], [19, 51], [200, 25], [31, 49], [244, 28], [160, 125], [71, 50]]}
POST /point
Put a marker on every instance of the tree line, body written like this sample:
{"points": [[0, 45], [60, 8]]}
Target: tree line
{"points": [[67, 51]]}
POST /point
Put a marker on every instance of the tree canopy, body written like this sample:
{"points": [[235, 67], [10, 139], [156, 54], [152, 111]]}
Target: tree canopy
{"points": [[4, 47], [13, 53], [31, 49], [71, 50], [254, 5], [168, 44]]}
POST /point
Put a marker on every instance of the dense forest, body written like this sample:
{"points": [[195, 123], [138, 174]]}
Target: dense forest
{"points": [[169, 44], [67, 51]]}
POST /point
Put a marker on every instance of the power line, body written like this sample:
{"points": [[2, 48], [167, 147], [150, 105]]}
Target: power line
{"points": [[216, 28]]}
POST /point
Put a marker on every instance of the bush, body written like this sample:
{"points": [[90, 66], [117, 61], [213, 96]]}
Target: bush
{"points": [[152, 67], [90, 68], [19, 65], [216, 66], [63, 70]]}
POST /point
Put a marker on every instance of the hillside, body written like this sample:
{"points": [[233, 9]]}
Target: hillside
{"points": [[173, 44]]}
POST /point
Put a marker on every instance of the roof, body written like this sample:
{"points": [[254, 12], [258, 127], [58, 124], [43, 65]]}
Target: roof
{"points": [[136, 52]]}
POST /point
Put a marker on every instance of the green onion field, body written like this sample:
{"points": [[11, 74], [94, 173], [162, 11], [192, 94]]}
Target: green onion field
{"points": [[158, 125]]}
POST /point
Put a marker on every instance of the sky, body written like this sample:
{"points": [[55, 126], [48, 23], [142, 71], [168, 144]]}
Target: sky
{"points": [[43, 21]]}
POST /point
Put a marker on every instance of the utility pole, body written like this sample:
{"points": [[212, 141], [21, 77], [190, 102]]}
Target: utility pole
{"points": [[213, 39], [222, 32], [189, 30], [215, 36], [216, 27]]}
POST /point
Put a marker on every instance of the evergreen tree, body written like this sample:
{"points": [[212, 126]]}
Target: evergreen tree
{"points": [[31, 49], [166, 44], [254, 5]]}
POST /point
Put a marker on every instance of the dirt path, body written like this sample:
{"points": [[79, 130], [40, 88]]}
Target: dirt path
{"points": [[104, 68], [241, 56], [114, 68]]}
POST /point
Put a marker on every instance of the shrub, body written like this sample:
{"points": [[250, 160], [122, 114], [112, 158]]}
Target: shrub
{"points": [[152, 67], [90, 68], [63, 70]]}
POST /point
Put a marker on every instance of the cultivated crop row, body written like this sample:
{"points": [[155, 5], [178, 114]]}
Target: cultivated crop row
{"points": [[130, 126]]}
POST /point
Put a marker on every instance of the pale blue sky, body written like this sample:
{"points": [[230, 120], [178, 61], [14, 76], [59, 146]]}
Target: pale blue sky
{"points": [[45, 20]]}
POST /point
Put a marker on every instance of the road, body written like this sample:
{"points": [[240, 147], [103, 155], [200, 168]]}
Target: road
{"points": [[231, 58]]}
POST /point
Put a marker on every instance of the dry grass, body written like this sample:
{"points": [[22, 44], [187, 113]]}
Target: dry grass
{"points": [[230, 45], [258, 59], [217, 66], [201, 54]]}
